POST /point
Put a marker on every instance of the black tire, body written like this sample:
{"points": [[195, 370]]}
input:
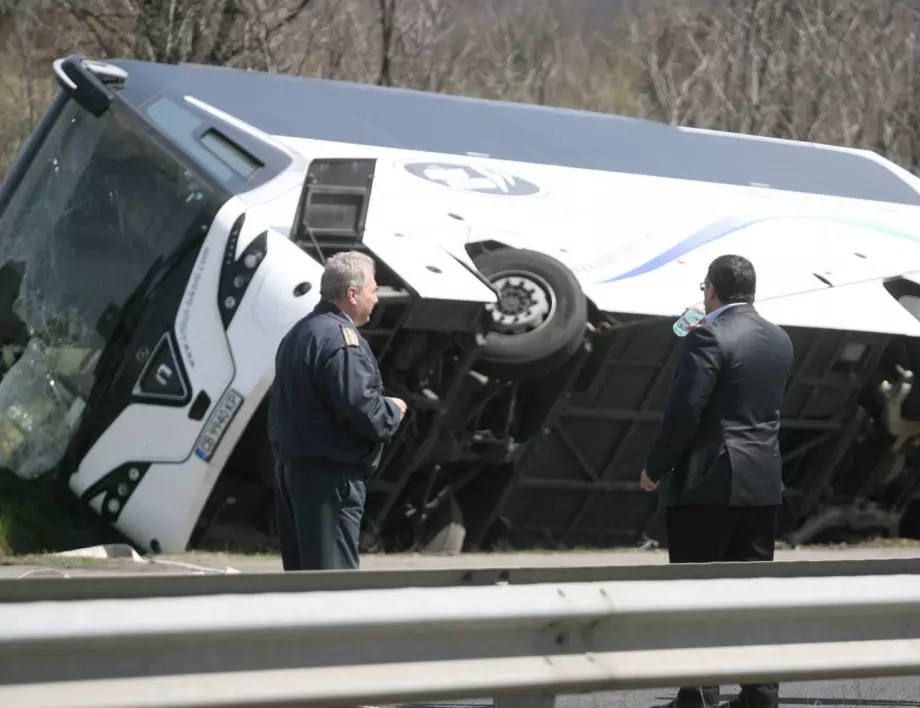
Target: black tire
{"points": [[446, 531], [534, 352]]}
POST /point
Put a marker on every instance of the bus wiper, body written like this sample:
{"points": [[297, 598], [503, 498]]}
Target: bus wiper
{"points": [[158, 272], [133, 309]]}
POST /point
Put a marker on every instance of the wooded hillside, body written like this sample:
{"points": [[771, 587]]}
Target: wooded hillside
{"points": [[836, 71]]}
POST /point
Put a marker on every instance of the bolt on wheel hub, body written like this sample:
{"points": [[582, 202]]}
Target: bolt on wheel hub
{"points": [[525, 303]]}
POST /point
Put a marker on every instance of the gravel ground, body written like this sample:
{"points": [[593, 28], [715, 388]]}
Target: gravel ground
{"points": [[195, 562]]}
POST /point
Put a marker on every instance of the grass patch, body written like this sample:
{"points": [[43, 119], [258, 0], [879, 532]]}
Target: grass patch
{"points": [[43, 516]]}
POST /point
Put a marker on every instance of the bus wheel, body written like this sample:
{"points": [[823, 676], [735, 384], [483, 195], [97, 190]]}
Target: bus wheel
{"points": [[539, 319], [445, 531]]}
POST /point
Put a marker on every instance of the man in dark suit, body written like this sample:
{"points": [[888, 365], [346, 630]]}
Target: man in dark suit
{"points": [[716, 461]]}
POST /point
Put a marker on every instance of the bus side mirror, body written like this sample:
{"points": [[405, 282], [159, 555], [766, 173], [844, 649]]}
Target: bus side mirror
{"points": [[80, 81]]}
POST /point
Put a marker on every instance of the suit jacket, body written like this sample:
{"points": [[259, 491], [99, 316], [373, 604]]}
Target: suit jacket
{"points": [[719, 439]]}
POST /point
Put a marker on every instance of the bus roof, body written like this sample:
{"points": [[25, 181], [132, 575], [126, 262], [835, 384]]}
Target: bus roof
{"points": [[345, 112]]}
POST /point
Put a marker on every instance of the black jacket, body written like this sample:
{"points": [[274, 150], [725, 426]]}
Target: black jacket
{"points": [[327, 403], [719, 439]]}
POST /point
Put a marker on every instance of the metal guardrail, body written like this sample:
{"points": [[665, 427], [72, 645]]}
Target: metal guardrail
{"points": [[524, 642], [147, 584]]}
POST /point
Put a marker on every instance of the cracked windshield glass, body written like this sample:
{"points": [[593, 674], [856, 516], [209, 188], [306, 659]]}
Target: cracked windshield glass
{"points": [[100, 205]]}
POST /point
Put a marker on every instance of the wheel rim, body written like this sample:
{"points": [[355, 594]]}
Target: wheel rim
{"points": [[525, 304]]}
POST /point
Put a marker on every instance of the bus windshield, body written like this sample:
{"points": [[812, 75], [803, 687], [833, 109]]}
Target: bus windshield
{"points": [[100, 204]]}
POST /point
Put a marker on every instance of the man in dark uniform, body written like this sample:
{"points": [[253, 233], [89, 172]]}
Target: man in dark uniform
{"points": [[717, 456], [328, 420]]}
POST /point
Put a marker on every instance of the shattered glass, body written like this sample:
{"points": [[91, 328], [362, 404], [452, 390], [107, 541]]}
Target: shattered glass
{"points": [[38, 410], [99, 206]]}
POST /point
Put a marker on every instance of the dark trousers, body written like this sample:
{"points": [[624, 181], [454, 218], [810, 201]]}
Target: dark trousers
{"points": [[319, 517], [723, 534]]}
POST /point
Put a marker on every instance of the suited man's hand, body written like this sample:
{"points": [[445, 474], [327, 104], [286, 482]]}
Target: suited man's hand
{"points": [[646, 483]]}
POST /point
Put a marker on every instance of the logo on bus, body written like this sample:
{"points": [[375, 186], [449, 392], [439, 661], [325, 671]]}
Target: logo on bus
{"points": [[481, 180]]}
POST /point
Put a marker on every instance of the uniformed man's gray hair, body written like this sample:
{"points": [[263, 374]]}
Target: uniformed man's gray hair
{"points": [[345, 270]]}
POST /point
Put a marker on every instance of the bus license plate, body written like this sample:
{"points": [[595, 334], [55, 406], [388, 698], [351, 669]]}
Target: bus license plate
{"points": [[218, 423]]}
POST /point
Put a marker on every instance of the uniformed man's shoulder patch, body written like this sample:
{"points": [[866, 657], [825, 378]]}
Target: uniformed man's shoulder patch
{"points": [[350, 336]]}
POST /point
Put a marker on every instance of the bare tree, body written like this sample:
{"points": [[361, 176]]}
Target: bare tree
{"points": [[433, 43], [222, 32], [26, 87], [835, 71], [517, 51], [320, 42], [838, 72]]}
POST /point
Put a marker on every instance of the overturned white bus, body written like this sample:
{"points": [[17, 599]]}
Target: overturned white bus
{"points": [[165, 225]]}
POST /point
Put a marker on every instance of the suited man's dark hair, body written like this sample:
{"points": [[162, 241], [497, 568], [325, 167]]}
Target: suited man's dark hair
{"points": [[733, 278]]}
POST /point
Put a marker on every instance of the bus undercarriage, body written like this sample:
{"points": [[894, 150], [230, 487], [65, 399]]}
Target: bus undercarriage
{"points": [[496, 458]]}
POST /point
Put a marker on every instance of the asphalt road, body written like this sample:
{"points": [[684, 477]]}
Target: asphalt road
{"points": [[869, 692], [885, 693]]}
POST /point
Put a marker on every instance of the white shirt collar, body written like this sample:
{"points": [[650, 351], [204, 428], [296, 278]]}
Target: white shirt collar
{"points": [[715, 313]]}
